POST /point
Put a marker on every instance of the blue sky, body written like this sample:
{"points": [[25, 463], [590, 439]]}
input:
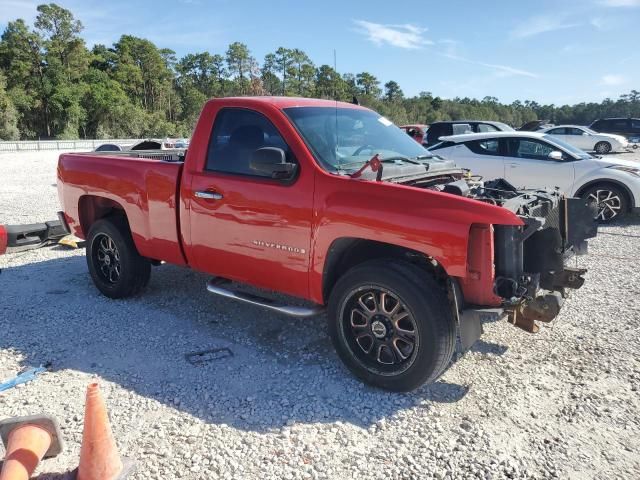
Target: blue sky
{"points": [[562, 51]]}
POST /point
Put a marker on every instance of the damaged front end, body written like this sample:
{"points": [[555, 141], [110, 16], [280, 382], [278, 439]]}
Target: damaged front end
{"points": [[530, 272]]}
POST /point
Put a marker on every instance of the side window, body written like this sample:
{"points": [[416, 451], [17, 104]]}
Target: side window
{"points": [[484, 147], [485, 127], [605, 125], [461, 128], [531, 149], [574, 131], [237, 133], [619, 126], [437, 131], [635, 125], [557, 131]]}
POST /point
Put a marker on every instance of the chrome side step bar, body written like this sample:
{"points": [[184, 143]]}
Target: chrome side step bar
{"points": [[214, 286]]}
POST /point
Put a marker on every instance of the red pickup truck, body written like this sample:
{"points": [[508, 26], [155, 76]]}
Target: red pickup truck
{"points": [[333, 204]]}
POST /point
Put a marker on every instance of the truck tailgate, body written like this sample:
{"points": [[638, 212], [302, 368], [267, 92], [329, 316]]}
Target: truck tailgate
{"points": [[146, 189]]}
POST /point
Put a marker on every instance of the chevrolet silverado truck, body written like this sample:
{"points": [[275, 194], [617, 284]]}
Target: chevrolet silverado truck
{"points": [[336, 209]]}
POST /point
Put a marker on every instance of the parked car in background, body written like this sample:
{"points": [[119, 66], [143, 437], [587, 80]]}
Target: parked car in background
{"points": [[627, 127], [149, 144], [108, 147], [587, 139], [535, 160], [535, 125], [457, 127], [416, 131]]}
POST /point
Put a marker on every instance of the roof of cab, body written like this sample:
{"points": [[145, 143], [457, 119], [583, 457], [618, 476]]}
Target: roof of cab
{"points": [[287, 102]]}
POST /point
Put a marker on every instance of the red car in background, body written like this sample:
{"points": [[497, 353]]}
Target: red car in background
{"points": [[416, 131]]}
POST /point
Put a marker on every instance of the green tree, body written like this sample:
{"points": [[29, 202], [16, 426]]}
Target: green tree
{"points": [[368, 84], [8, 114], [329, 83], [392, 91], [239, 63]]}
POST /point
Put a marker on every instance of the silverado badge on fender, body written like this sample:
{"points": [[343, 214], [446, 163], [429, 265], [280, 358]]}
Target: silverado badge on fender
{"points": [[277, 246]]}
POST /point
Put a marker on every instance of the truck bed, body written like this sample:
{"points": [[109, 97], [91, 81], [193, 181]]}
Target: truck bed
{"points": [[146, 188]]}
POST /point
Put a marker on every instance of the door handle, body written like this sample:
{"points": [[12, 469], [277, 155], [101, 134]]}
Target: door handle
{"points": [[208, 195], [514, 165]]}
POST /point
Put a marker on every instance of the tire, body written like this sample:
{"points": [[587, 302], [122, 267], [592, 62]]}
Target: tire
{"points": [[612, 201], [602, 147], [109, 244], [357, 328]]}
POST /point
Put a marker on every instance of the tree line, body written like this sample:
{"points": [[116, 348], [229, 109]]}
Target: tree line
{"points": [[53, 86]]}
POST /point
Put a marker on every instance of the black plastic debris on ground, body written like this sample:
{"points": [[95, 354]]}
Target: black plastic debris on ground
{"points": [[205, 356]]}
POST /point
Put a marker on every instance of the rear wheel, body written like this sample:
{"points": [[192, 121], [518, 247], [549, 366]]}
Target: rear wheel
{"points": [[391, 325], [602, 147], [611, 201], [116, 267]]}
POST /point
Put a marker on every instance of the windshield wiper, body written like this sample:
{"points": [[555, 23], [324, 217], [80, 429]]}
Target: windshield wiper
{"points": [[396, 158], [393, 159]]}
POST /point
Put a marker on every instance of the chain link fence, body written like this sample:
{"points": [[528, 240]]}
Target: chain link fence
{"points": [[37, 145]]}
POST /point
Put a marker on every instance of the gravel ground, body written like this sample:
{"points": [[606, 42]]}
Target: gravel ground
{"points": [[560, 404]]}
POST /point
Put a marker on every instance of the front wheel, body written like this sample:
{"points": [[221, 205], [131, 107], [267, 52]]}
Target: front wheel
{"points": [[116, 267], [610, 200], [391, 325], [602, 147]]}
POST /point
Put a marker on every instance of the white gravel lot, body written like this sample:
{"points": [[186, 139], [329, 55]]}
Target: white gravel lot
{"points": [[560, 404]]}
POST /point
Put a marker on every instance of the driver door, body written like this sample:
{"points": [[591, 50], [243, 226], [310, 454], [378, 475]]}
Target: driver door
{"points": [[243, 224], [527, 165]]}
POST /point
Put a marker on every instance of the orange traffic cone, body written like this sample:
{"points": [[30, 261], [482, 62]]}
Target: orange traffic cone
{"points": [[28, 440], [99, 459]]}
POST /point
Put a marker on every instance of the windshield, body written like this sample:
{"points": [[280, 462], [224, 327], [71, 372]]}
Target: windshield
{"points": [[347, 137], [576, 152]]}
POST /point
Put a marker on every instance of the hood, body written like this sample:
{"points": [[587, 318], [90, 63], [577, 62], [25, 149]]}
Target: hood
{"points": [[606, 162]]}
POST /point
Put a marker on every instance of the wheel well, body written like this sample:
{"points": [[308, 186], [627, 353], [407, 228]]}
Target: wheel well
{"points": [[92, 208], [346, 253], [615, 183]]}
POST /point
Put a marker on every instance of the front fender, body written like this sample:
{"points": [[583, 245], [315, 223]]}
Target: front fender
{"points": [[433, 223]]}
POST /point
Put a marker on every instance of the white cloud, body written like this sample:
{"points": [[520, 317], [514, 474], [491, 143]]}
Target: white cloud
{"points": [[541, 24], [402, 36], [613, 80], [620, 3], [499, 70]]}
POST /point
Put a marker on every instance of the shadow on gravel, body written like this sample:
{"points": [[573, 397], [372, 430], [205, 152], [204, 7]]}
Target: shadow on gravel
{"points": [[253, 369], [489, 347]]}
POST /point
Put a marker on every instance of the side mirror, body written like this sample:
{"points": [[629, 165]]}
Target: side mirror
{"points": [[271, 162], [556, 156]]}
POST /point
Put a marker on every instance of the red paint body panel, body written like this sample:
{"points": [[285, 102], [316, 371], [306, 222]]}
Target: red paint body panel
{"points": [[145, 189], [3, 239], [420, 131], [477, 284], [274, 235]]}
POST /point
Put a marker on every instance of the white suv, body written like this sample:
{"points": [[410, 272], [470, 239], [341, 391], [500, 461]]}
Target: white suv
{"points": [[538, 160]]}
